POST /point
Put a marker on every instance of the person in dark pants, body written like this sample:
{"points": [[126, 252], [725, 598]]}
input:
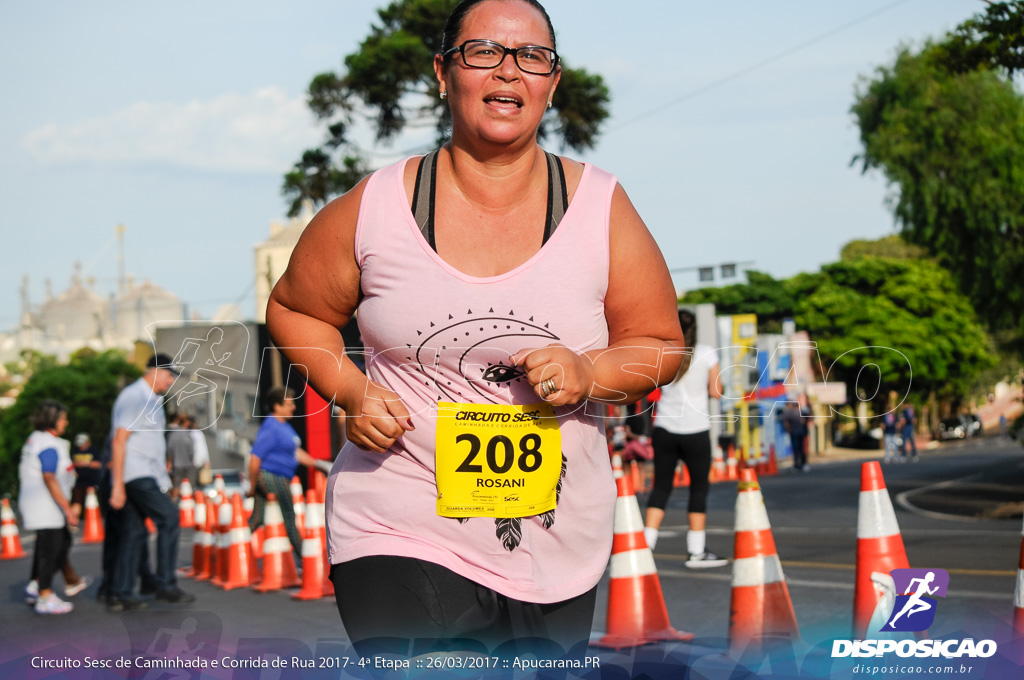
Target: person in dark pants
{"points": [[87, 468], [139, 484], [682, 433], [46, 476], [908, 421], [113, 542], [276, 454], [793, 421]]}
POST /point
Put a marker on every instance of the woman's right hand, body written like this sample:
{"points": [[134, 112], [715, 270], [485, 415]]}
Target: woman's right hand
{"points": [[376, 418], [117, 497]]}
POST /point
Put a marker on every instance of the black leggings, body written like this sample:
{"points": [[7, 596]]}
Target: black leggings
{"points": [[388, 602], [51, 554], [695, 452]]}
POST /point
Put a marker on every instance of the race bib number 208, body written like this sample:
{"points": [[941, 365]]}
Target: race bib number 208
{"points": [[495, 460]]}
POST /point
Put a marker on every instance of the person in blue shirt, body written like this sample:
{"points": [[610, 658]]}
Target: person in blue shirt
{"points": [[276, 454]]}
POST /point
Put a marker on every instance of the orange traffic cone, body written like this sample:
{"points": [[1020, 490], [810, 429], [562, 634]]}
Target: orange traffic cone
{"points": [[255, 555], [773, 463], [237, 558], [298, 505], [278, 564], [879, 543], [222, 546], [317, 521], [92, 531], [760, 603], [313, 556], [186, 506], [218, 485], [198, 542], [203, 540], [248, 505], [732, 472], [718, 469], [1018, 593], [634, 475], [636, 606], [9, 537], [150, 526]]}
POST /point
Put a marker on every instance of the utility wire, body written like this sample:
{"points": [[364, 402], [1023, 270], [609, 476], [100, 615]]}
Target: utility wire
{"points": [[761, 64]]}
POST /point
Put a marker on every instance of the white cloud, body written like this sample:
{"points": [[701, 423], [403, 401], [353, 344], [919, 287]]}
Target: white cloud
{"points": [[264, 131]]}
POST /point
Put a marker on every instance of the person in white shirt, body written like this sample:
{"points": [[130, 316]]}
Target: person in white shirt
{"points": [[682, 432]]}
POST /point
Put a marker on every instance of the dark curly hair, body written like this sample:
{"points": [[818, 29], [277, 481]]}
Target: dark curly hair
{"points": [[47, 414]]}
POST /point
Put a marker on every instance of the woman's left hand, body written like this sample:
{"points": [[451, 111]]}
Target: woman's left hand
{"points": [[559, 375]]}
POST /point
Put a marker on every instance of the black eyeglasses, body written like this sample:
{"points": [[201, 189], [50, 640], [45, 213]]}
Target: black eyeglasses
{"points": [[540, 61]]}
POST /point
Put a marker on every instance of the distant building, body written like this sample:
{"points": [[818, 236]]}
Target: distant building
{"points": [[79, 317], [272, 255]]}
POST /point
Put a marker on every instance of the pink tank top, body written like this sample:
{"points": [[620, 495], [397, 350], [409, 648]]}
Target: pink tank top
{"points": [[435, 334]]}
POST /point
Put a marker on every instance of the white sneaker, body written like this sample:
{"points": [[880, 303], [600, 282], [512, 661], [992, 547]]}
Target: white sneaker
{"points": [[705, 560], [83, 583], [32, 592], [51, 604]]}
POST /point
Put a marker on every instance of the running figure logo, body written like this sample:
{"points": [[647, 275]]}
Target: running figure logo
{"points": [[914, 610]]}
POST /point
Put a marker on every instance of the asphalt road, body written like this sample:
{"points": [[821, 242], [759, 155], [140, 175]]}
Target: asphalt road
{"points": [[959, 509]]}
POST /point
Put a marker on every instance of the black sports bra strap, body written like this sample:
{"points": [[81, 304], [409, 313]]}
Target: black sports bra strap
{"points": [[423, 196], [425, 192], [558, 199]]}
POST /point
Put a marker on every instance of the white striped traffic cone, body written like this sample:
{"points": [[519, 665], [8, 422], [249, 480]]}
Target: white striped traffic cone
{"points": [[879, 543], [278, 565], [222, 545], [313, 555], [200, 545], [186, 506], [1018, 593], [92, 531], [760, 604], [298, 505], [10, 539], [636, 606]]}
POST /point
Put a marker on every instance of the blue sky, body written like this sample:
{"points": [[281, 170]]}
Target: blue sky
{"points": [[178, 120]]}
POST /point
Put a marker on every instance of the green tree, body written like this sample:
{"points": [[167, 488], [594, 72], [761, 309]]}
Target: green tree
{"points": [[886, 325], [893, 247], [389, 82], [993, 39], [951, 144], [87, 385], [772, 300]]}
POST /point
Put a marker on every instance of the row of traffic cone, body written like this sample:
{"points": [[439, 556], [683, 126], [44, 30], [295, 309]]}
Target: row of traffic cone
{"points": [[760, 605], [228, 555]]}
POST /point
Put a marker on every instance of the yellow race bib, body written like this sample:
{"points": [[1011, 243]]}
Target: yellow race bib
{"points": [[495, 460]]}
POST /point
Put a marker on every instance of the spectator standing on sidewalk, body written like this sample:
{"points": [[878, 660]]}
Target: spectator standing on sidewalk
{"points": [[87, 468], [180, 454], [681, 432], [46, 475], [908, 421], [140, 482], [889, 435], [276, 454], [200, 450], [793, 422]]}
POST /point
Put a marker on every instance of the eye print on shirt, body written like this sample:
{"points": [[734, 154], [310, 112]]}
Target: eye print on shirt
{"points": [[500, 373], [473, 339]]}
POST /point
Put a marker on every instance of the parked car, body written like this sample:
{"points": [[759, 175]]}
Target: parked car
{"points": [[952, 428], [234, 482]]}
